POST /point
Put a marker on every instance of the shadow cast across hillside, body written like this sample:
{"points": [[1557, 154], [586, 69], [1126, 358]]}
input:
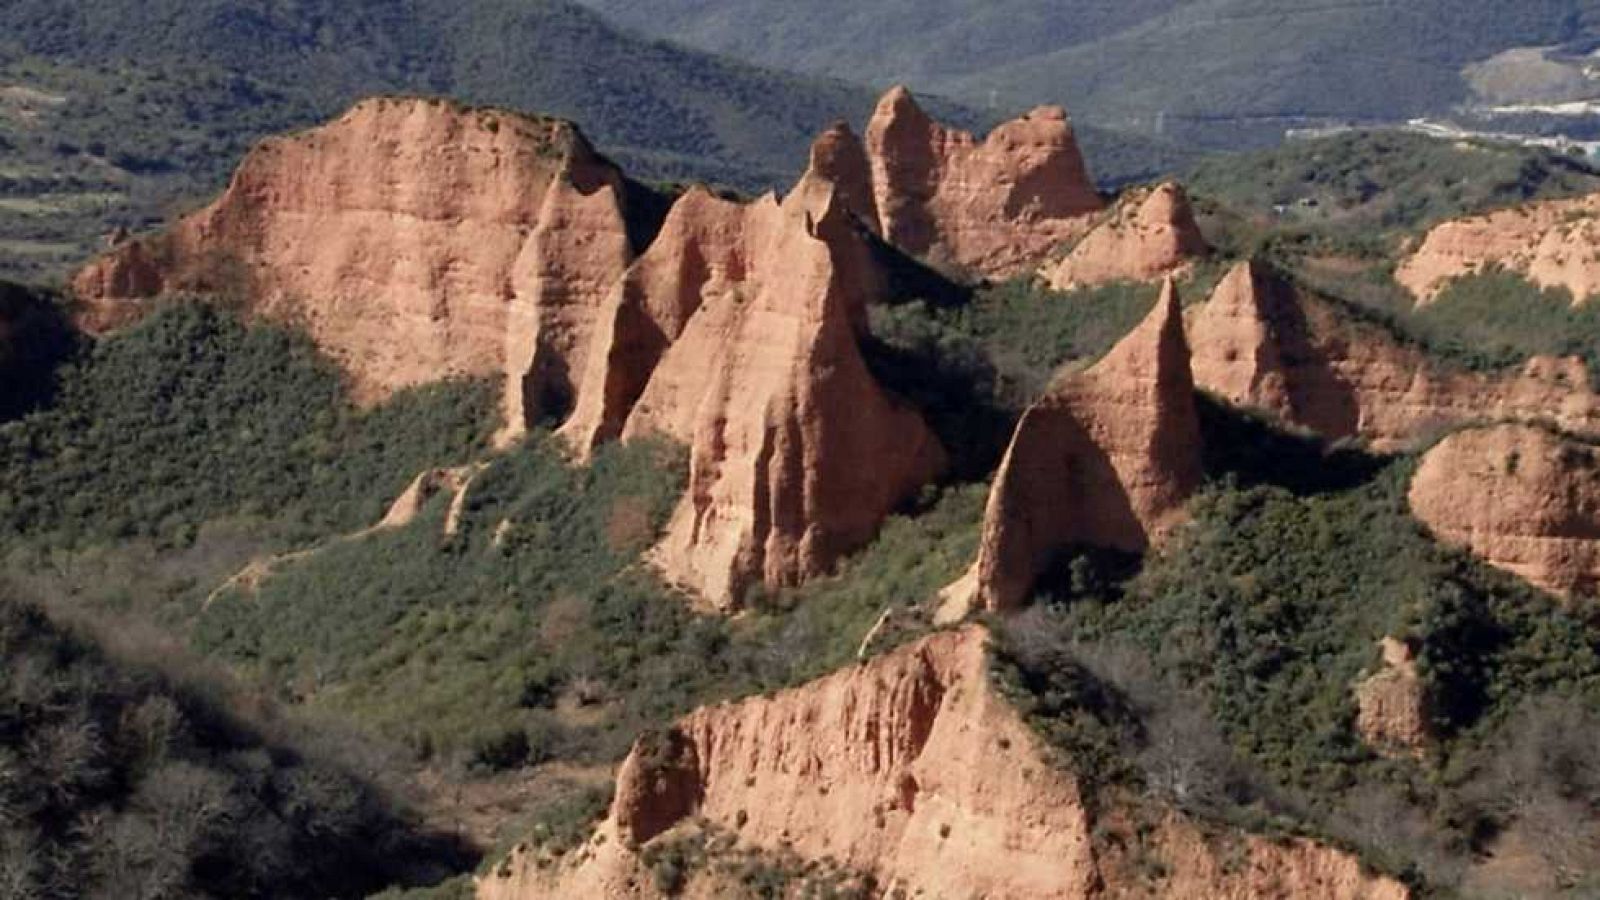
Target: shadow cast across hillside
{"points": [[36, 338], [1248, 449]]}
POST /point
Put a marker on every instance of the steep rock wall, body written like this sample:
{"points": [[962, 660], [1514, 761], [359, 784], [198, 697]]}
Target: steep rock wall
{"points": [[1552, 242], [1150, 233], [1523, 498], [995, 207], [736, 334], [1260, 342], [911, 769], [414, 240]]}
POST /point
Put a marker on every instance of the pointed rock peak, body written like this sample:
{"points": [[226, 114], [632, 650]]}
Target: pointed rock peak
{"points": [[1158, 344], [899, 100], [839, 166], [1167, 204], [838, 144]]}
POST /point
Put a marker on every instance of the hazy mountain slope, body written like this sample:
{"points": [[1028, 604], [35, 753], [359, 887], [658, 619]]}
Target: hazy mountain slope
{"points": [[1211, 61], [891, 40]]}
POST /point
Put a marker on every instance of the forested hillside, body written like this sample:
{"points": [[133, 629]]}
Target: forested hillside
{"points": [[1223, 71]]}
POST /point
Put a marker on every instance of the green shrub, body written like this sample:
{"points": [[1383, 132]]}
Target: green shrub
{"points": [[122, 782], [191, 416]]}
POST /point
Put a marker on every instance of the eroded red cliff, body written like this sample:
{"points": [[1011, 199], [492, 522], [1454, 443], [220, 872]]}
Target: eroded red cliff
{"points": [[1262, 342], [1107, 458], [1522, 497], [736, 334], [414, 240], [1551, 242], [1150, 233], [911, 770], [995, 207]]}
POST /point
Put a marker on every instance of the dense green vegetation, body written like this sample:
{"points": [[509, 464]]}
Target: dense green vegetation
{"points": [[1266, 612], [119, 782], [533, 634], [35, 338], [1352, 192], [191, 416], [973, 362], [1501, 319]]}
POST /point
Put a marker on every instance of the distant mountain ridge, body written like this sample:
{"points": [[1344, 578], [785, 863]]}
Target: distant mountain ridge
{"points": [[1228, 72], [122, 113]]}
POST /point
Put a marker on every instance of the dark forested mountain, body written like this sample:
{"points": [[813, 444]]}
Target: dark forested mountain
{"points": [[1224, 70]]}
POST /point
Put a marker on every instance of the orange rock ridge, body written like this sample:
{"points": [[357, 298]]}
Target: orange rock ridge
{"points": [[912, 770], [1261, 342], [1107, 458], [736, 334], [995, 207], [413, 239], [1522, 497], [1150, 233], [416, 240], [1552, 242]]}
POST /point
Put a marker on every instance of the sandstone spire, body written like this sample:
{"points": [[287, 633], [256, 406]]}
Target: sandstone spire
{"points": [[1107, 458], [839, 168], [736, 334], [994, 207], [1522, 497], [1150, 233]]}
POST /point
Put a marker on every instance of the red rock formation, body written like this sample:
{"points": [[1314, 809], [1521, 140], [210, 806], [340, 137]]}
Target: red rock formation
{"points": [[1391, 705], [994, 208], [1150, 233], [1107, 458], [912, 769], [414, 239], [1523, 498], [1551, 242], [839, 168], [736, 334], [1261, 342]]}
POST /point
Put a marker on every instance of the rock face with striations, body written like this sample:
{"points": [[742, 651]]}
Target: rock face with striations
{"points": [[1551, 242], [1150, 233], [1261, 342], [995, 207], [1522, 497], [912, 771], [736, 334], [1107, 458], [414, 240]]}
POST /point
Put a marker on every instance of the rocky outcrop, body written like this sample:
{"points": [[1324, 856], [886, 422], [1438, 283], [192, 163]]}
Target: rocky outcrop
{"points": [[736, 334], [912, 770], [1107, 458], [1391, 704], [414, 240], [995, 207], [1150, 233], [1262, 342], [421, 491], [1522, 497], [1550, 242]]}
